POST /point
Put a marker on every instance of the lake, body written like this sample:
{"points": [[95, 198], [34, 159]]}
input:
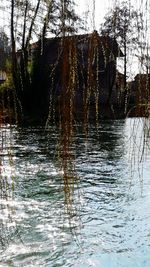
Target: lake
{"points": [[102, 219]]}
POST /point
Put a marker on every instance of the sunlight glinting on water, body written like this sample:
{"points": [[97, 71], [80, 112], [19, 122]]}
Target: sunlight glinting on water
{"points": [[101, 224]]}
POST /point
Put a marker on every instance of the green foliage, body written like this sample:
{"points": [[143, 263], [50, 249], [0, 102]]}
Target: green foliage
{"points": [[5, 63], [4, 49], [8, 84]]}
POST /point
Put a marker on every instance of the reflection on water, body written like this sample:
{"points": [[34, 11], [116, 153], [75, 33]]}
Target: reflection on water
{"points": [[107, 223]]}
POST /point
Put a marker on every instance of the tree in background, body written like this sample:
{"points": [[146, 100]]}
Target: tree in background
{"points": [[125, 24], [4, 41], [69, 21], [4, 49]]}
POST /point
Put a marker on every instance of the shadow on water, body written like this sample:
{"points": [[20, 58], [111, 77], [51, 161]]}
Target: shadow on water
{"points": [[99, 221]]}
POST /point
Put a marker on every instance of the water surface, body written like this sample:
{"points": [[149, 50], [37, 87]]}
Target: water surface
{"points": [[106, 221]]}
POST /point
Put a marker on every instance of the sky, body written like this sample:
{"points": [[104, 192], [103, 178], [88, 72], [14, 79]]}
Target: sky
{"points": [[97, 9], [101, 6], [93, 11]]}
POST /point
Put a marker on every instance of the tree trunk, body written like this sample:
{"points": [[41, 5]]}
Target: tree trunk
{"points": [[125, 75]]}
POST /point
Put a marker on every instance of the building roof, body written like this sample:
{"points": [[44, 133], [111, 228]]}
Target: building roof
{"points": [[104, 42], [141, 76]]}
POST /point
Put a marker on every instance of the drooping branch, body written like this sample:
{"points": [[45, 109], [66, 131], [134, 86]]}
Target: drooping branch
{"points": [[13, 46]]}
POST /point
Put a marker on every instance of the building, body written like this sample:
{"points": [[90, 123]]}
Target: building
{"points": [[3, 76], [142, 88], [140, 92], [80, 67]]}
